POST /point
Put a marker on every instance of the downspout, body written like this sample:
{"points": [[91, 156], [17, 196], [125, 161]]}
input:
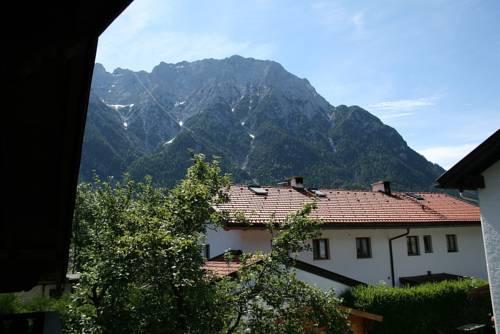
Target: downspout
{"points": [[391, 256]]}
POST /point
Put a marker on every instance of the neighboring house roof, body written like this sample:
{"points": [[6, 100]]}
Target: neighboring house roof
{"points": [[466, 174], [221, 267], [347, 208]]}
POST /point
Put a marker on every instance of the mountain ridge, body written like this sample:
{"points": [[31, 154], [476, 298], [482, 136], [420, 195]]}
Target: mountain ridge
{"points": [[265, 123]]}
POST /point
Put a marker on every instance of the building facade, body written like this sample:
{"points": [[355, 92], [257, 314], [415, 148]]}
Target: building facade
{"points": [[480, 170], [428, 233]]}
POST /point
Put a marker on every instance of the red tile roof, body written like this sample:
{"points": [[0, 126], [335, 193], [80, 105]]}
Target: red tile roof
{"points": [[346, 207], [221, 267]]}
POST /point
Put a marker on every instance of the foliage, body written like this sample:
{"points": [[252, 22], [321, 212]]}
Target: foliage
{"points": [[13, 303], [138, 249], [427, 308], [268, 298]]}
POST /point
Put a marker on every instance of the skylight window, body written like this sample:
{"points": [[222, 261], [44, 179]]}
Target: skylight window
{"points": [[415, 196], [258, 190], [318, 193]]}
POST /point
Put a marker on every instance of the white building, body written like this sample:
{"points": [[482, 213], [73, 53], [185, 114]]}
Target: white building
{"points": [[480, 170], [430, 234]]}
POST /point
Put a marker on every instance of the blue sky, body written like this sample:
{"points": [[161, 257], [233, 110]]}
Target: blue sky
{"points": [[430, 69]]}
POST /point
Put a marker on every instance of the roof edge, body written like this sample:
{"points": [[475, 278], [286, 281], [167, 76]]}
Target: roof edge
{"points": [[310, 268], [466, 174], [371, 225]]}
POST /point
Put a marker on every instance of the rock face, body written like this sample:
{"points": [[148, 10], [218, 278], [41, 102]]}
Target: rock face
{"points": [[265, 123]]}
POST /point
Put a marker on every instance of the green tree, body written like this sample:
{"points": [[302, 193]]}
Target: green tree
{"points": [[266, 297], [138, 249]]}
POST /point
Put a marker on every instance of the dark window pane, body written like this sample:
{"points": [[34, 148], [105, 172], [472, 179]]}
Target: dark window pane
{"points": [[413, 245], [451, 240], [207, 251], [320, 249], [363, 248], [427, 243]]}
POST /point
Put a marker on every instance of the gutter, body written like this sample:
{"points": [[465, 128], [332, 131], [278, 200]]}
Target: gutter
{"points": [[469, 199], [391, 255]]}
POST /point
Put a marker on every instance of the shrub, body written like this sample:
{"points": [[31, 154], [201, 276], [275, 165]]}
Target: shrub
{"points": [[427, 308], [9, 303]]}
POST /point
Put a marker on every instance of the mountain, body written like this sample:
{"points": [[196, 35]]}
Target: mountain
{"points": [[265, 123]]}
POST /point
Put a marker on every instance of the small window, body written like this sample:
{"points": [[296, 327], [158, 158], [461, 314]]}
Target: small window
{"points": [[363, 248], [451, 240], [413, 245], [206, 251], [320, 249], [427, 244]]}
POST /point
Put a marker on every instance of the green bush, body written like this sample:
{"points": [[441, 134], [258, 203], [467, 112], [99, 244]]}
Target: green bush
{"points": [[11, 303], [427, 308]]}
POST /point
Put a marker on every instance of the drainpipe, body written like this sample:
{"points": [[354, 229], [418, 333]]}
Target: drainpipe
{"points": [[390, 253]]}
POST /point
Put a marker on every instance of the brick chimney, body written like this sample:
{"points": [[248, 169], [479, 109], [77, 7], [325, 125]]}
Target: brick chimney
{"points": [[382, 186]]}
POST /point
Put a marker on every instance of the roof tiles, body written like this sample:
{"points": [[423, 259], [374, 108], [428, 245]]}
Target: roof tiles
{"points": [[352, 207]]}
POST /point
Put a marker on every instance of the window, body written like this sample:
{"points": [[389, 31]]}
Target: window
{"points": [[320, 249], [413, 245], [206, 251], [451, 240], [363, 248], [427, 244]]}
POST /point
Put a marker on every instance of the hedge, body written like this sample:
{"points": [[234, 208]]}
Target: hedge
{"points": [[12, 303], [427, 308]]}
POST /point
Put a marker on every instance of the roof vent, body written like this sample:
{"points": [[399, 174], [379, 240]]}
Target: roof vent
{"points": [[382, 186], [296, 182], [258, 190], [316, 192], [415, 196]]}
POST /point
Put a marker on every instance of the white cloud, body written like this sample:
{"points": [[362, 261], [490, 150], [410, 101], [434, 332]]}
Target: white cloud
{"points": [[172, 47], [396, 115], [447, 156], [142, 37], [358, 20], [335, 17], [403, 105]]}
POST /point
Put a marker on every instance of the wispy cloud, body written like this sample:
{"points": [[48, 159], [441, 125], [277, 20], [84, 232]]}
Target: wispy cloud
{"points": [[178, 46], [396, 115], [403, 105], [135, 40], [336, 17], [447, 156], [358, 20]]}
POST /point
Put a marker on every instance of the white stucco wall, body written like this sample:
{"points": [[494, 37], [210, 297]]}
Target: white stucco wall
{"points": [[321, 282], [246, 240], [489, 200], [468, 261]]}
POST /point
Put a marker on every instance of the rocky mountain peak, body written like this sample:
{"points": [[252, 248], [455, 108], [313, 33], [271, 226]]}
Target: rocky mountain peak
{"points": [[264, 122]]}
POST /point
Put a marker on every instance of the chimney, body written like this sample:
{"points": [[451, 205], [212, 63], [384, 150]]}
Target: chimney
{"points": [[296, 182], [382, 186]]}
